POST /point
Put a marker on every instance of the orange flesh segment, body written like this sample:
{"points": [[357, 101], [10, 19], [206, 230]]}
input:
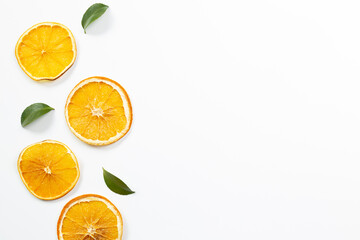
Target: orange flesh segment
{"points": [[48, 170]]}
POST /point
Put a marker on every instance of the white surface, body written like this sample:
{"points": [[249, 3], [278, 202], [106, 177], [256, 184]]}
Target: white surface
{"points": [[246, 118]]}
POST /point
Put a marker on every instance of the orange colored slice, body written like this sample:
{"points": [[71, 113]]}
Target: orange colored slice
{"points": [[48, 169], [98, 111], [46, 51], [90, 217]]}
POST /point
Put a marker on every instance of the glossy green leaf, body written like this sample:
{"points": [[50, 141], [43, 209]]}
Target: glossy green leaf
{"points": [[33, 112], [92, 13], [115, 184]]}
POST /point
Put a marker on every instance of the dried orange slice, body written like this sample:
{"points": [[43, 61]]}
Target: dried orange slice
{"points": [[49, 169], [46, 50], [98, 111], [90, 217]]}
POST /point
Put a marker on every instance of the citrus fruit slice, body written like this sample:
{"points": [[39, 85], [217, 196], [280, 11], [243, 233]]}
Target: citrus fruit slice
{"points": [[49, 169], [98, 111], [45, 51], [90, 217]]}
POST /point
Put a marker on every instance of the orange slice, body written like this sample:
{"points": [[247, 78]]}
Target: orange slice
{"points": [[90, 217], [98, 111], [45, 51], [49, 169]]}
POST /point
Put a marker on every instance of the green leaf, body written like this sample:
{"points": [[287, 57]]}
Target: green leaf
{"points": [[92, 13], [115, 184], [33, 112]]}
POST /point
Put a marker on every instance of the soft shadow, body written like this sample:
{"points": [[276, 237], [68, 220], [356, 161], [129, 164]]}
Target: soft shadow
{"points": [[41, 124], [75, 191], [72, 194], [113, 145], [119, 142], [125, 231], [101, 25], [63, 77]]}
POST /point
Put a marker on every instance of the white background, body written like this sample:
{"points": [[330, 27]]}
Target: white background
{"points": [[246, 117]]}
